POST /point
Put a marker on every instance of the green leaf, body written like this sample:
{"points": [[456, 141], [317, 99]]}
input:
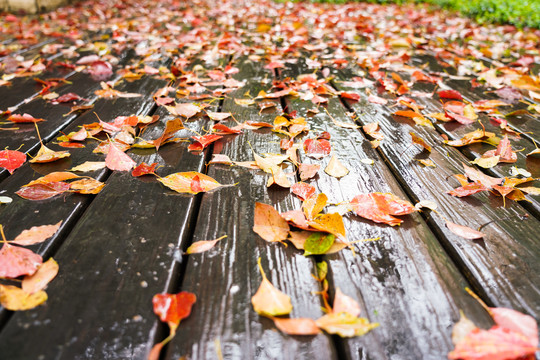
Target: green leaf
{"points": [[318, 243]]}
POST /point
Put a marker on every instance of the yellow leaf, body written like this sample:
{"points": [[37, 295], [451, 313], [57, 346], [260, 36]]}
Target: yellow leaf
{"points": [[345, 324], [45, 155], [15, 299], [190, 182]]}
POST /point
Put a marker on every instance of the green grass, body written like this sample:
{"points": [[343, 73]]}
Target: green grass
{"points": [[522, 13]]}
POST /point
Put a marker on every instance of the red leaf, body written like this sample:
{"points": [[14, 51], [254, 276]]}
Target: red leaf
{"points": [[43, 191], [317, 148], [11, 159], [496, 343], [303, 190], [202, 142], [16, 261], [144, 169], [468, 189], [172, 308], [516, 321], [379, 207], [117, 160], [69, 97], [100, 70], [450, 94]]}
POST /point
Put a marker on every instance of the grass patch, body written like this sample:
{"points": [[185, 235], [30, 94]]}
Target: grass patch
{"points": [[522, 13]]}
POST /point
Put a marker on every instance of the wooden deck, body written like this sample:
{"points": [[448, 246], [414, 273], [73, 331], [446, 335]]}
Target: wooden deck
{"points": [[119, 248]]}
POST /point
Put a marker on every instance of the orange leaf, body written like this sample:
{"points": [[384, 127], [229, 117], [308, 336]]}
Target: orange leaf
{"points": [[36, 234], [202, 246], [117, 160], [299, 326], [269, 301], [379, 207], [268, 224], [39, 280], [464, 231], [172, 308], [190, 182]]}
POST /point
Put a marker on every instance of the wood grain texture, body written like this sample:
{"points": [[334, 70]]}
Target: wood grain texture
{"points": [[226, 277], [69, 326], [405, 281], [494, 265]]}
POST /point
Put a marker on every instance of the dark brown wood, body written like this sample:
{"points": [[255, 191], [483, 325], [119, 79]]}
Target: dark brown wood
{"points": [[495, 263], [403, 281], [67, 334], [226, 277]]}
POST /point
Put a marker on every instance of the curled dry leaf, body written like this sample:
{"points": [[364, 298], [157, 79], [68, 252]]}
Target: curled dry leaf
{"points": [[39, 280], [298, 326], [464, 231], [269, 301], [15, 299], [269, 224], [36, 234], [202, 246], [46, 155], [86, 186], [190, 182], [419, 141], [335, 168], [11, 160]]}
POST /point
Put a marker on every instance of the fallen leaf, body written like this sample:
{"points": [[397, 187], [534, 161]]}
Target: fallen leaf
{"points": [[464, 231], [24, 118], [269, 224], [15, 299], [117, 160], [344, 303], [43, 191], [345, 325], [86, 186], [39, 280], [182, 182], [303, 190], [172, 308], [317, 148], [297, 326], [89, 166], [314, 205], [307, 171], [318, 243], [269, 301], [486, 162], [16, 261], [331, 223], [335, 168], [418, 140], [201, 142], [202, 246], [462, 328], [516, 321], [379, 207], [11, 159], [144, 169], [171, 127], [469, 189], [36, 234], [46, 155]]}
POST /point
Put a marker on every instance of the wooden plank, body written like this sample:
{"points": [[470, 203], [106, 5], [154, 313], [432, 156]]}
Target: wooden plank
{"points": [[405, 281], [25, 138], [67, 208], [494, 265], [226, 277]]}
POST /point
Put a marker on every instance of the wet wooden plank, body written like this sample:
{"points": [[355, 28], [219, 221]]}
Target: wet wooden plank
{"points": [[226, 277], [25, 137], [67, 208], [405, 281], [494, 265]]}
